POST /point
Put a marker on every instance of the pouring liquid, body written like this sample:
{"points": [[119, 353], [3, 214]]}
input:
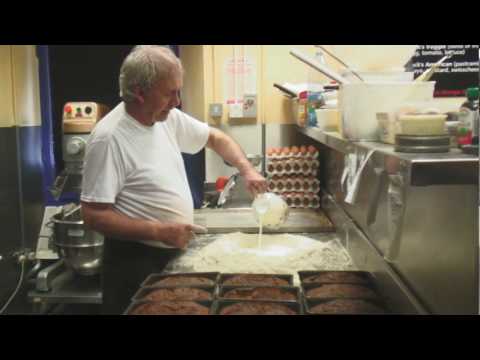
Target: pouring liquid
{"points": [[260, 230]]}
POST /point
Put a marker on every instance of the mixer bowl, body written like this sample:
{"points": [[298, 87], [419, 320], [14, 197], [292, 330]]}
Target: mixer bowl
{"points": [[83, 259], [81, 248]]}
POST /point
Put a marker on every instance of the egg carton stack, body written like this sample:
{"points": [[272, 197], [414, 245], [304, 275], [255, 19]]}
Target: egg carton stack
{"points": [[292, 173]]}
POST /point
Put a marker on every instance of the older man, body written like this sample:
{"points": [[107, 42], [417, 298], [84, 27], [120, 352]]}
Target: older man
{"points": [[135, 190]]}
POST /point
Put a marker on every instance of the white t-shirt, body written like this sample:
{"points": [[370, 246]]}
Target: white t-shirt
{"points": [[139, 169]]}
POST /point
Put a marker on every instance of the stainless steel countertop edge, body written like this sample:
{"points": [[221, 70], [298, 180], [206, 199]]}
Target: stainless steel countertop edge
{"points": [[337, 142]]}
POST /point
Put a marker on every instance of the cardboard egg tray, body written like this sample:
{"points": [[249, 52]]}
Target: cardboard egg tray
{"points": [[297, 184], [292, 167]]}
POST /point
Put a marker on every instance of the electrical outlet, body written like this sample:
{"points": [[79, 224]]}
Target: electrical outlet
{"points": [[235, 111], [250, 106], [216, 110]]}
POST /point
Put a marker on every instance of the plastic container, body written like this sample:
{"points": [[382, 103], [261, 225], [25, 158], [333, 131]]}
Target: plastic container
{"points": [[380, 76], [327, 119], [422, 124], [360, 102]]}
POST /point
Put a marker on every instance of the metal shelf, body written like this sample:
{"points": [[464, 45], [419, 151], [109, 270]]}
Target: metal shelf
{"points": [[452, 168], [337, 142]]}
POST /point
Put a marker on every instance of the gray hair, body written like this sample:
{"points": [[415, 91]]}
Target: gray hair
{"points": [[145, 66]]}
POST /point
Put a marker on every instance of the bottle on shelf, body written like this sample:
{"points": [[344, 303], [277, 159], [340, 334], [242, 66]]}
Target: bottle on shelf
{"points": [[468, 118]]}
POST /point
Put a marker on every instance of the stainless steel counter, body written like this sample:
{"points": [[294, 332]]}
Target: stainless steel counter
{"points": [[365, 257], [418, 211], [449, 168], [337, 142]]}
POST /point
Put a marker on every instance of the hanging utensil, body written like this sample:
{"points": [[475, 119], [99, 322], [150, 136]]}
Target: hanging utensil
{"points": [[319, 67], [340, 61], [427, 74]]}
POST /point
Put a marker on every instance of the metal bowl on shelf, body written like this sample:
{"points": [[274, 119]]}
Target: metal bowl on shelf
{"points": [[81, 248]]}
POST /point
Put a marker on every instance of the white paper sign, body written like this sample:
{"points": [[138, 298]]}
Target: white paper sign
{"points": [[240, 78]]}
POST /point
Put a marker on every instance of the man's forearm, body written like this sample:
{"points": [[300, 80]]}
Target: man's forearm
{"points": [[104, 219], [113, 224], [231, 152]]}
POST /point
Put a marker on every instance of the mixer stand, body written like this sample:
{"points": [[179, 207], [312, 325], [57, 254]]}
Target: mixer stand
{"points": [[56, 284]]}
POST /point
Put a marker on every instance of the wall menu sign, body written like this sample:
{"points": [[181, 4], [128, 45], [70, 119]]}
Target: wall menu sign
{"points": [[456, 74]]}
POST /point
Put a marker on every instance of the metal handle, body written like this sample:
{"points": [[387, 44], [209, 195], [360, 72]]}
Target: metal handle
{"points": [[319, 67], [58, 186], [340, 61], [380, 175], [396, 212]]}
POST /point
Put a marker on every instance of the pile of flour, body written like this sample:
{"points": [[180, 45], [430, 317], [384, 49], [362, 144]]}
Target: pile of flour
{"points": [[279, 254]]}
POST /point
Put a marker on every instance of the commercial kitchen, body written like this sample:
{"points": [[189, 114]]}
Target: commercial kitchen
{"points": [[369, 152]]}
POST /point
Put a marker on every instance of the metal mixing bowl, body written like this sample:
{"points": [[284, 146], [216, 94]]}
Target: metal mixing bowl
{"points": [[81, 248], [83, 259]]}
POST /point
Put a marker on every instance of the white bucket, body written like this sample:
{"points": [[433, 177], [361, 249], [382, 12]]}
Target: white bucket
{"points": [[360, 102], [379, 76]]}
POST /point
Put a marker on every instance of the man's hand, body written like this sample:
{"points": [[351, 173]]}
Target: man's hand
{"points": [[232, 153], [255, 182], [178, 235], [104, 219]]}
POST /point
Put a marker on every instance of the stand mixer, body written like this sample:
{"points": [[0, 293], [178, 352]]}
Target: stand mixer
{"points": [[72, 253], [79, 119]]}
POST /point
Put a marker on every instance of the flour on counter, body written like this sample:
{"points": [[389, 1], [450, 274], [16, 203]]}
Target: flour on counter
{"points": [[279, 254]]}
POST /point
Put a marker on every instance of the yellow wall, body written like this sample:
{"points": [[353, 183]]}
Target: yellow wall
{"points": [[19, 86], [194, 96], [281, 67], [204, 82], [6, 87], [205, 65], [391, 54], [26, 87]]}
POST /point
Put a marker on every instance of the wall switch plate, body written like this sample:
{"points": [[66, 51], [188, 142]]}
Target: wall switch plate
{"points": [[235, 111], [216, 110], [250, 106]]}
